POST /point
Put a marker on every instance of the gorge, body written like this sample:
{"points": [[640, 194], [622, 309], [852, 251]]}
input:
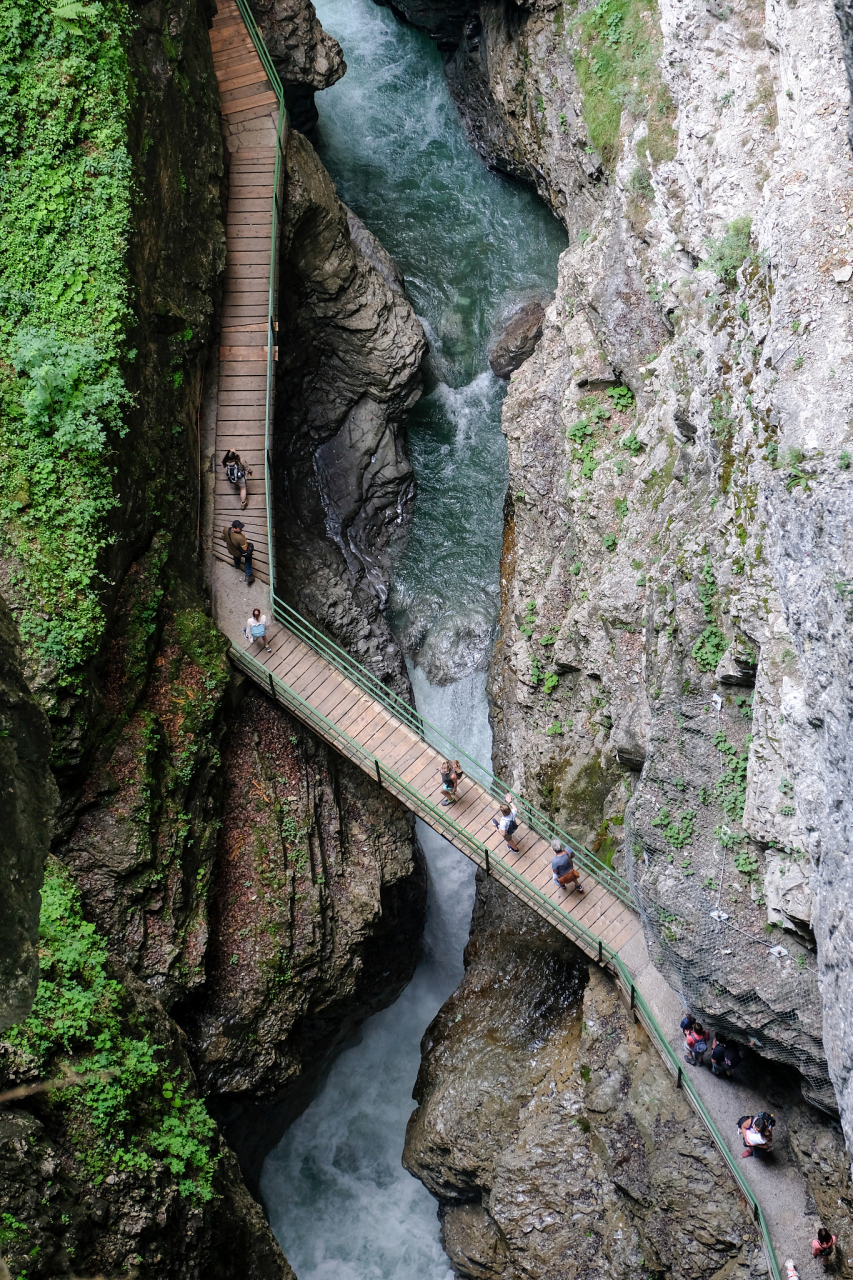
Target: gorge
{"points": [[621, 574]]}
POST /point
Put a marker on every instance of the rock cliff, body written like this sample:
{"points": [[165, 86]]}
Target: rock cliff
{"points": [[672, 678]]}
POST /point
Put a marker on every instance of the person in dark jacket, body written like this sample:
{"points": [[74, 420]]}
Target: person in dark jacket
{"points": [[240, 548], [236, 471], [724, 1057]]}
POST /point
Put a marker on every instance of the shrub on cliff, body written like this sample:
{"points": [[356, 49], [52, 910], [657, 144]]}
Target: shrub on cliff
{"points": [[135, 1112], [727, 255], [65, 204]]}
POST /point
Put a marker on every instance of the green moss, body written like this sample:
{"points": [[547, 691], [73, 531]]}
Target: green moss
{"points": [[65, 207], [136, 1109], [616, 64]]}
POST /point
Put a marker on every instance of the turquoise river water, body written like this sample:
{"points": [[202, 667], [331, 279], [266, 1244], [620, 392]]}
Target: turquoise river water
{"points": [[470, 244]]}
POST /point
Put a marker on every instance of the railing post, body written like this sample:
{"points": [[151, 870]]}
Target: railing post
{"points": [[678, 1079], [488, 867], [600, 953], [272, 687], [633, 994], [378, 774], [755, 1211]]}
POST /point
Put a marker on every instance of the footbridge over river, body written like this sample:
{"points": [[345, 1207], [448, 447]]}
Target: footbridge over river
{"points": [[339, 699]]}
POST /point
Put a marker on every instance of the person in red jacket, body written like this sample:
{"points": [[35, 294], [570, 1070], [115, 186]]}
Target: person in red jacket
{"points": [[824, 1246], [696, 1042]]}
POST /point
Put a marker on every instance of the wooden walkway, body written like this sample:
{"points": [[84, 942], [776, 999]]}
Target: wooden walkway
{"points": [[250, 113], [399, 750]]}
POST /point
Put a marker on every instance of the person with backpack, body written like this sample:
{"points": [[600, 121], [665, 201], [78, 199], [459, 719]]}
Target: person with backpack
{"points": [[240, 548], [563, 867], [236, 472], [824, 1246], [449, 781], [757, 1134], [696, 1042], [507, 823], [256, 629], [688, 1022], [724, 1057]]}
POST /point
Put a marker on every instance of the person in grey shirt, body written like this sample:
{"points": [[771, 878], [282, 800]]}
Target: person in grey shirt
{"points": [[563, 866]]}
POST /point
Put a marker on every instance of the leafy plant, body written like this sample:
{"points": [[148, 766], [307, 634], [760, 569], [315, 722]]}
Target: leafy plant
{"points": [[622, 397], [632, 444], [726, 255], [551, 682], [610, 542], [712, 644], [677, 831], [621, 507], [844, 460], [731, 787], [65, 101], [135, 1110]]}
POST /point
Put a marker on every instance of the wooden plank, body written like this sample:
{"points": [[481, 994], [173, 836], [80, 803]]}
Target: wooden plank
{"points": [[260, 104]]}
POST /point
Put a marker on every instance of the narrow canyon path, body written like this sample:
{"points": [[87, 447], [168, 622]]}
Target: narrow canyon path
{"points": [[341, 702]]}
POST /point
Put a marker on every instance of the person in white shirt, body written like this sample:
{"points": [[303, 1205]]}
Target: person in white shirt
{"points": [[256, 629], [757, 1134], [508, 822]]}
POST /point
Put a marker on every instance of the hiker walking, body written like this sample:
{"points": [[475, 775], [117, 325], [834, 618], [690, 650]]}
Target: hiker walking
{"points": [[724, 1057], [236, 472], [240, 548], [696, 1042], [256, 629], [563, 867], [688, 1022], [824, 1246], [757, 1134], [449, 781], [507, 823]]}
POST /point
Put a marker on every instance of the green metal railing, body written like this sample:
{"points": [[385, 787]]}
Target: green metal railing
{"points": [[438, 818]]}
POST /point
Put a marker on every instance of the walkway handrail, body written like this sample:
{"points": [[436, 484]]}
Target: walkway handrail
{"points": [[495, 866], [397, 706]]}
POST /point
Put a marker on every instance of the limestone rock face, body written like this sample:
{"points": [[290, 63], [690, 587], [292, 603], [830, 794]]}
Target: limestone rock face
{"points": [[550, 1131], [697, 607], [350, 353], [29, 803]]}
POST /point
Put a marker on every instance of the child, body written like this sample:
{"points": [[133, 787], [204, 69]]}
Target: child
{"points": [[256, 629], [696, 1044], [508, 822], [824, 1246]]}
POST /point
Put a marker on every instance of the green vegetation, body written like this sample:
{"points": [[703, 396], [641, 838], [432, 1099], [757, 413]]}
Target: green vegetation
{"points": [[731, 788], [64, 307], [844, 460], [712, 644], [616, 64], [727, 255], [610, 542], [677, 831], [136, 1110], [632, 444], [526, 625], [622, 397]]}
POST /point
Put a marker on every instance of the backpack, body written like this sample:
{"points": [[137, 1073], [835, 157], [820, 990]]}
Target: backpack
{"points": [[258, 630], [511, 826], [233, 473]]}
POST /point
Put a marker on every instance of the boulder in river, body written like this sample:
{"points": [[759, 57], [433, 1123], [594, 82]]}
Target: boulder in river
{"points": [[517, 338]]}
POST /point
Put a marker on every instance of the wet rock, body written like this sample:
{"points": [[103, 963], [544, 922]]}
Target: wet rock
{"points": [[348, 372], [516, 339], [549, 1129], [306, 57]]}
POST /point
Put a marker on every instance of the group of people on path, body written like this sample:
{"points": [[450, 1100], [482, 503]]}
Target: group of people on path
{"points": [[562, 864], [233, 536], [725, 1052]]}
